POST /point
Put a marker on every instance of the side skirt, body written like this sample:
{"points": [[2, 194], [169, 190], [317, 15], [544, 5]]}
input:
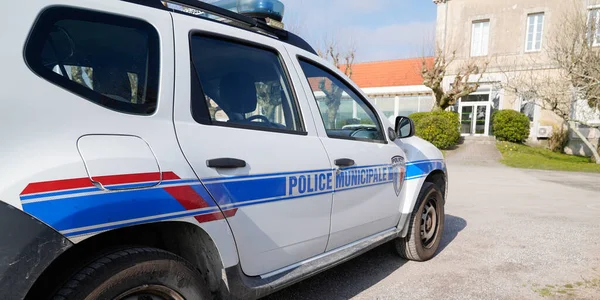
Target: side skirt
{"points": [[253, 287]]}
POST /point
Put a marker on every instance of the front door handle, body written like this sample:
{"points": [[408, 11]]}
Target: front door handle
{"points": [[225, 163], [344, 162]]}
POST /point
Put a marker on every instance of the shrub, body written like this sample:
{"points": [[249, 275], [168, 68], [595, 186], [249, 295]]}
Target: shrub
{"points": [[441, 128], [510, 125], [558, 140]]}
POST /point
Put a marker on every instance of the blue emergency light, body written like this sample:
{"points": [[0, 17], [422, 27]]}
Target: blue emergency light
{"points": [[264, 9]]}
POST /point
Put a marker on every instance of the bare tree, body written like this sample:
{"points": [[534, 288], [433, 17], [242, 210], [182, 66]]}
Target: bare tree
{"points": [[572, 91], [433, 77], [333, 93], [269, 97]]}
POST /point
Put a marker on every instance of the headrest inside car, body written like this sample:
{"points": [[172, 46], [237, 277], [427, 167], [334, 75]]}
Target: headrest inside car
{"points": [[238, 93]]}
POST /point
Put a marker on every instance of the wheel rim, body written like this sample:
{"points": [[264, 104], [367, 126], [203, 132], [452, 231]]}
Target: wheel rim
{"points": [[150, 292], [429, 223]]}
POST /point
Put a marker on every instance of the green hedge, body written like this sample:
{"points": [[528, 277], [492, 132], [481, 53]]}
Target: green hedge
{"points": [[510, 125], [441, 128]]}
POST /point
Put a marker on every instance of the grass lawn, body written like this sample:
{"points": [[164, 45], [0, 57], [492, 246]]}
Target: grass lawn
{"points": [[521, 156]]}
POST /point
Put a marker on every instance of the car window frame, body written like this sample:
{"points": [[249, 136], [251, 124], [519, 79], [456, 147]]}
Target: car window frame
{"points": [[328, 70], [30, 51], [202, 115]]}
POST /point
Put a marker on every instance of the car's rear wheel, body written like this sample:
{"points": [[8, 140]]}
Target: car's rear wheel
{"points": [[425, 227], [136, 274]]}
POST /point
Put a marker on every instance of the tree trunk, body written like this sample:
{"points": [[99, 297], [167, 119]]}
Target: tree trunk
{"points": [[270, 112], [333, 106], [573, 126], [332, 111]]}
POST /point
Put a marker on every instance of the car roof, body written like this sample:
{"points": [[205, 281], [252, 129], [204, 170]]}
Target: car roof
{"points": [[257, 26]]}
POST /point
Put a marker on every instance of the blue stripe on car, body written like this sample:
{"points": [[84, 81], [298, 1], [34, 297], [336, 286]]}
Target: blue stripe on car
{"points": [[74, 211]]}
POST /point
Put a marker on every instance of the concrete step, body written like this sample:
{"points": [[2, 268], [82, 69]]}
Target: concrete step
{"points": [[479, 138], [482, 140]]}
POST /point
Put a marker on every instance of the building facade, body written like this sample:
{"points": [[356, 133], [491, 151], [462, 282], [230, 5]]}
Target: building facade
{"points": [[511, 36], [395, 86]]}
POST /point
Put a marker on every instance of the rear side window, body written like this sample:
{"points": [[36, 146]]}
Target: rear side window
{"points": [[109, 60]]}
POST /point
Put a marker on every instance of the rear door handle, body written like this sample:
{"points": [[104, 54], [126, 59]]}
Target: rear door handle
{"points": [[344, 162], [225, 163]]}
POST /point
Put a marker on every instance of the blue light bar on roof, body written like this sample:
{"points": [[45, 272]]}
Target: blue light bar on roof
{"points": [[263, 9]]}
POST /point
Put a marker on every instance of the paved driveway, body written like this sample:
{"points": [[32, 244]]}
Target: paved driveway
{"points": [[510, 234]]}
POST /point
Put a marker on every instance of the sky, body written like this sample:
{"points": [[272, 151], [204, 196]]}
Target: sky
{"points": [[378, 29]]}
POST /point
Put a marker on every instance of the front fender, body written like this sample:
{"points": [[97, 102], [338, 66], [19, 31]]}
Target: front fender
{"points": [[27, 247], [422, 159]]}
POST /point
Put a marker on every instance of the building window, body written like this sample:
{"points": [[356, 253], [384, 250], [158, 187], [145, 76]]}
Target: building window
{"points": [[582, 111], [594, 24], [535, 29], [480, 38], [403, 105], [387, 105], [528, 108]]}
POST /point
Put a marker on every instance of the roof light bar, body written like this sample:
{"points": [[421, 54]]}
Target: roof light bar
{"points": [[262, 9]]}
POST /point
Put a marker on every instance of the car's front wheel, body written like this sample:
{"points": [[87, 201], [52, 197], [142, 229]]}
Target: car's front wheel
{"points": [[425, 227], [136, 274]]}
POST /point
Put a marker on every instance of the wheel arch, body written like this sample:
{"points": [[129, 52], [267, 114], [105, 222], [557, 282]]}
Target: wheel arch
{"points": [[440, 179], [413, 188], [184, 239]]}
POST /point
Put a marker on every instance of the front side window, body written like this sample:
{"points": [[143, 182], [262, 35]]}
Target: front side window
{"points": [[109, 60], [344, 113], [242, 86], [480, 37], [535, 29]]}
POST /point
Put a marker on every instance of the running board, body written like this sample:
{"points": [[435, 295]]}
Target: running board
{"points": [[246, 287]]}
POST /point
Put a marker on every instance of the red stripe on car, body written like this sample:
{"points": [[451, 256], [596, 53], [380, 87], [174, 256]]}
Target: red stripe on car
{"points": [[75, 183]]}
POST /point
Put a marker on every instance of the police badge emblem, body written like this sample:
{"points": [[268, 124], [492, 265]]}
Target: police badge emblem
{"points": [[399, 171]]}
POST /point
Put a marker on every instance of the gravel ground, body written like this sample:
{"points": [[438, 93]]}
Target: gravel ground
{"points": [[510, 234]]}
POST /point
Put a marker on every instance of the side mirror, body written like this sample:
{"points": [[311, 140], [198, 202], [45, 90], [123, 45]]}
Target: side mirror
{"points": [[405, 127]]}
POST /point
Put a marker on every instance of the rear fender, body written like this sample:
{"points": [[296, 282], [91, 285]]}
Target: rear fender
{"points": [[27, 248]]}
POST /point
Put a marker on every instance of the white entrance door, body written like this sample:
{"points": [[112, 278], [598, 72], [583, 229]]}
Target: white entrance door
{"points": [[475, 111], [475, 119]]}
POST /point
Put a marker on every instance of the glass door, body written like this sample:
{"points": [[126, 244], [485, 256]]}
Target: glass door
{"points": [[479, 120], [474, 119], [475, 110], [466, 120]]}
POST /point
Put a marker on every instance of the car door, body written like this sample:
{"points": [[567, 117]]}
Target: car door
{"points": [[370, 167], [251, 142]]}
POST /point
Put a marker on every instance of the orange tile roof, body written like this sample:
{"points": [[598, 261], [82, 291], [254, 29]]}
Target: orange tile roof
{"points": [[315, 82], [388, 73]]}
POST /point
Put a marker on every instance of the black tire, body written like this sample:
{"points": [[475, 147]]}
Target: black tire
{"points": [[417, 245], [129, 272]]}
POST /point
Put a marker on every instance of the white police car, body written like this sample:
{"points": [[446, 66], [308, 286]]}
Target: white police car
{"points": [[155, 150]]}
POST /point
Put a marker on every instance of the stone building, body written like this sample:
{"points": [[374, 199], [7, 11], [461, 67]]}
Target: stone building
{"points": [[511, 35]]}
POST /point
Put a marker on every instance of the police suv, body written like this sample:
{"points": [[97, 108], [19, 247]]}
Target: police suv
{"points": [[184, 150]]}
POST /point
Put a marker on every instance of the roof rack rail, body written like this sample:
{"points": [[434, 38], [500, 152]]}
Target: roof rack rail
{"points": [[239, 20]]}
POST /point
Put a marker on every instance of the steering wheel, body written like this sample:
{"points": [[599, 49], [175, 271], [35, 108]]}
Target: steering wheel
{"points": [[364, 133], [262, 118]]}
